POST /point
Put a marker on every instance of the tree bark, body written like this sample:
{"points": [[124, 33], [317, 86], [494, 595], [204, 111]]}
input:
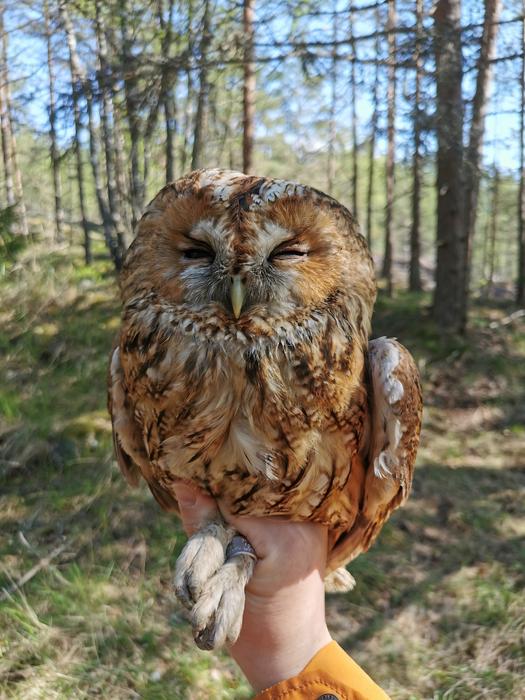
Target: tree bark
{"points": [[6, 146], [391, 145], [332, 131], [76, 90], [248, 88], [197, 156], [372, 142], [414, 274], [14, 187], [520, 291], [132, 112], [166, 88], [477, 125], [449, 290], [353, 106], [54, 153], [494, 211], [108, 118]]}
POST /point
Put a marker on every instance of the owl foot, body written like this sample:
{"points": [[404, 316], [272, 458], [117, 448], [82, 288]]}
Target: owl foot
{"points": [[210, 576]]}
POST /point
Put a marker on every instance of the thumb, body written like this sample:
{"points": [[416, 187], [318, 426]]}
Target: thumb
{"points": [[196, 508]]}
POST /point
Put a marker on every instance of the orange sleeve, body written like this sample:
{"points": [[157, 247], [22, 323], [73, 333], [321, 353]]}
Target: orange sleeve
{"points": [[330, 675]]}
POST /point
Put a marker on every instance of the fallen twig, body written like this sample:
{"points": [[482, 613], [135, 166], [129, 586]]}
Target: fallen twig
{"points": [[42, 564]]}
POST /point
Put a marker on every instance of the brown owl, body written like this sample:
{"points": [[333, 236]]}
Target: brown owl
{"points": [[244, 367]]}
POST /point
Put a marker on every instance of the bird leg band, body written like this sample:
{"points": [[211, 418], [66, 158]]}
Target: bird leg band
{"points": [[240, 545]]}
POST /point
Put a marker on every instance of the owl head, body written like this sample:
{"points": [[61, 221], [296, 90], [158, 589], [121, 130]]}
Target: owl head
{"points": [[250, 251]]}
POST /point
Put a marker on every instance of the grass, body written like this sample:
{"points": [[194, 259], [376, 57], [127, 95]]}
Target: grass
{"points": [[438, 612]]}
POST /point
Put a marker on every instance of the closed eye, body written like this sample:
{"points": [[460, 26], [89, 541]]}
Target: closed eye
{"points": [[198, 254], [287, 253]]}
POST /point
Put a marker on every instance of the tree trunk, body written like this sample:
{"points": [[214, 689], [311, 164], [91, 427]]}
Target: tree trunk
{"points": [[76, 93], [55, 159], [248, 88], [414, 275], [128, 63], [494, 211], [473, 154], [391, 145], [202, 99], [6, 146], [80, 78], [14, 187], [449, 290], [332, 129], [372, 142], [108, 118], [353, 106], [520, 292], [166, 88]]}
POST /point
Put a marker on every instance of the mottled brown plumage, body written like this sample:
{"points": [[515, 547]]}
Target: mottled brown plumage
{"points": [[243, 365]]}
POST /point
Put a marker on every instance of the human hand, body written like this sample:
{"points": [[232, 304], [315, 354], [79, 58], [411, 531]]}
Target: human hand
{"points": [[284, 619]]}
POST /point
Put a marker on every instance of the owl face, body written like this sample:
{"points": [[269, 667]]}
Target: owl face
{"points": [[241, 255]]}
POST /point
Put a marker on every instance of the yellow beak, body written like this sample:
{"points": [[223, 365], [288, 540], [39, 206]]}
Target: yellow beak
{"points": [[238, 292]]}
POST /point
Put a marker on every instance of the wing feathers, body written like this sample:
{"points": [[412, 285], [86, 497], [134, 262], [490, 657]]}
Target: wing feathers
{"points": [[131, 454], [395, 417]]}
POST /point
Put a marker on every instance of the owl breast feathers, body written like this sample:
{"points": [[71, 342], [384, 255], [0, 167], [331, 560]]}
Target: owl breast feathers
{"points": [[244, 366]]}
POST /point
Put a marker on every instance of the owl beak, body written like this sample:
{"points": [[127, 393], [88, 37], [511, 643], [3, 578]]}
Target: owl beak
{"points": [[237, 292]]}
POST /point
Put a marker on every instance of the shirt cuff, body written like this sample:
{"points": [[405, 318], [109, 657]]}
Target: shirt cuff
{"points": [[330, 675]]}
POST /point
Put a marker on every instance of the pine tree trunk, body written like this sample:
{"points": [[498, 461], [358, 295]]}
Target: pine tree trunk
{"points": [[494, 211], [520, 292], [76, 90], [14, 187], [197, 156], [372, 141], [132, 112], [391, 145], [448, 295], [108, 134], [248, 88], [332, 131], [55, 159], [353, 107], [79, 77], [414, 275], [473, 154], [6, 146], [166, 88]]}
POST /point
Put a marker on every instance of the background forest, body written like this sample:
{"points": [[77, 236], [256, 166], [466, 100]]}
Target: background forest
{"points": [[413, 115]]}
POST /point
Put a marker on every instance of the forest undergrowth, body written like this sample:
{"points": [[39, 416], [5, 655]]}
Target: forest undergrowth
{"points": [[86, 605]]}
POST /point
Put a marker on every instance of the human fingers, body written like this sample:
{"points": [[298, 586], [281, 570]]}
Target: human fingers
{"points": [[196, 507]]}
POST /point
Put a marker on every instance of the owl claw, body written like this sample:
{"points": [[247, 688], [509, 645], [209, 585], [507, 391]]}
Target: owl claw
{"points": [[217, 616], [202, 556], [211, 573]]}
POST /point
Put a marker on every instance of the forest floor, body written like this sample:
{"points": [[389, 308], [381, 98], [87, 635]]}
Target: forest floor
{"points": [[438, 611]]}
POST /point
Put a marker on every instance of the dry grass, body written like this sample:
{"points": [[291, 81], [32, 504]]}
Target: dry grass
{"points": [[438, 612]]}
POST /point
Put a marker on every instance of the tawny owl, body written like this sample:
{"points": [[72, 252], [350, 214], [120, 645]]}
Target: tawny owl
{"points": [[244, 366]]}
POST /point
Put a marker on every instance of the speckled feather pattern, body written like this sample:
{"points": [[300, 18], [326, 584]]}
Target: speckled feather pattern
{"points": [[286, 410]]}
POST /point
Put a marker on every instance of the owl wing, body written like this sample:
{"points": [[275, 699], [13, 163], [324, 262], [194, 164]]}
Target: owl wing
{"points": [[389, 451], [128, 441]]}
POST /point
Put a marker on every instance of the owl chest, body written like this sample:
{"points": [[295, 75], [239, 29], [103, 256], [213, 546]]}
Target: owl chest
{"points": [[245, 418]]}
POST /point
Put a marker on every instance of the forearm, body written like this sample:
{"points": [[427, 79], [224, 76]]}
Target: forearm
{"points": [[281, 633]]}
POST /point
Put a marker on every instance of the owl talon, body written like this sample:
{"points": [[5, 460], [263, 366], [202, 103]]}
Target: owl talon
{"points": [[202, 555], [204, 638], [217, 615]]}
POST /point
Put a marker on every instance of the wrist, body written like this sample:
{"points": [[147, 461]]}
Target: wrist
{"points": [[281, 632]]}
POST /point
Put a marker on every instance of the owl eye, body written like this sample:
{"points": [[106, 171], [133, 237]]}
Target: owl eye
{"points": [[198, 254], [287, 253]]}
